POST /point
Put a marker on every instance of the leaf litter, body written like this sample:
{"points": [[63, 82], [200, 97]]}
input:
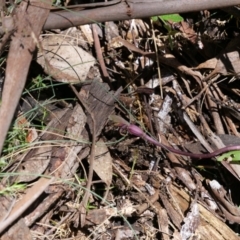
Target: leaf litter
{"points": [[137, 191]]}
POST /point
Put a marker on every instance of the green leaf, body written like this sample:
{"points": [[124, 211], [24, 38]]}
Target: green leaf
{"points": [[232, 156], [171, 17]]}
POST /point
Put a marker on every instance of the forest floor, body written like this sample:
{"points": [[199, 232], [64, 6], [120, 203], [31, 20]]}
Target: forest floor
{"points": [[69, 172]]}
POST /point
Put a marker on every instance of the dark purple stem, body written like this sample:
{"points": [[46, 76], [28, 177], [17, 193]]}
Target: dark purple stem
{"points": [[138, 132]]}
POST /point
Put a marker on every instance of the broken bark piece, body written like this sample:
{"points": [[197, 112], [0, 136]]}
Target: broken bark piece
{"points": [[100, 101]]}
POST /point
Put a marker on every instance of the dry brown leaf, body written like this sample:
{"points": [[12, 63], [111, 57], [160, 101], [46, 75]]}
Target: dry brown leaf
{"points": [[171, 61], [125, 233], [76, 122], [209, 64], [34, 164], [189, 32], [19, 231], [111, 30], [96, 217], [225, 63]]}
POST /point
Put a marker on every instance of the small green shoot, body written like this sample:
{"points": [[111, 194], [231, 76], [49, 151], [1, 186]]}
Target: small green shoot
{"points": [[3, 163], [166, 19], [37, 83], [15, 188], [16, 137], [90, 207]]}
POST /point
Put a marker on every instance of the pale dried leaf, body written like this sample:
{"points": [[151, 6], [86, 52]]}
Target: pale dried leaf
{"points": [[87, 32], [221, 195], [102, 164], [64, 56], [236, 169]]}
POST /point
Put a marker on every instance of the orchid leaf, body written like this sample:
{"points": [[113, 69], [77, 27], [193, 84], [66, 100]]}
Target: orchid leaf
{"points": [[169, 17], [232, 156], [172, 18]]}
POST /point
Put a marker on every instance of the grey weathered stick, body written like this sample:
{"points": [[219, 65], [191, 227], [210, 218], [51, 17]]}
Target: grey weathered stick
{"points": [[131, 9]]}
